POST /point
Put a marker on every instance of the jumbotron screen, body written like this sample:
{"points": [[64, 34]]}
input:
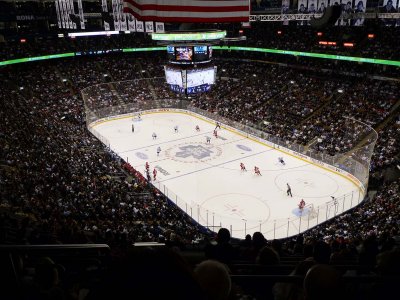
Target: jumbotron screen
{"points": [[197, 77], [184, 53], [189, 54], [173, 76]]}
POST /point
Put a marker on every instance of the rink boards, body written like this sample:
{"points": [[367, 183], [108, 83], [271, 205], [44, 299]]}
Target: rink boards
{"points": [[205, 179]]}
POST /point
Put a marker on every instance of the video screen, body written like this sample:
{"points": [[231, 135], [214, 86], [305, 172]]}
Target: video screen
{"points": [[201, 53], [171, 52], [173, 77], [184, 53], [199, 77]]}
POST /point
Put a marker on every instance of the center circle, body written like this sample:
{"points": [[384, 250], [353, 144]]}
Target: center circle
{"points": [[193, 152]]}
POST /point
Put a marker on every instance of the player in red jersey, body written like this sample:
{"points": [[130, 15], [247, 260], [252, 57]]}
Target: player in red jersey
{"points": [[154, 174], [257, 171], [215, 134], [302, 204], [242, 167], [147, 165]]}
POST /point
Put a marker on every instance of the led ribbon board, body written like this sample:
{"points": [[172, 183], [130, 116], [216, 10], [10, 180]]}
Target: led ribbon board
{"points": [[311, 54], [225, 48], [35, 58], [189, 36]]}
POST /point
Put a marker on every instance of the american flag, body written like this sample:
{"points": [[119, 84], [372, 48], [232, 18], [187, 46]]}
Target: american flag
{"points": [[189, 11]]}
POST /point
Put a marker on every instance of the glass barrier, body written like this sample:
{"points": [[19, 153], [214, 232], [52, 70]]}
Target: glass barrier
{"points": [[108, 100]]}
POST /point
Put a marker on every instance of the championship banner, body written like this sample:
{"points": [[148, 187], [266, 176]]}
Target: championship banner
{"points": [[71, 11], [160, 27], [115, 5], [81, 16], [63, 11], [122, 17], [149, 26], [131, 23], [60, 25], [104, 10], [139, 26]]}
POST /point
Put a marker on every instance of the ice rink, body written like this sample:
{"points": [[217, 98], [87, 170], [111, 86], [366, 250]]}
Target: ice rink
{"points": [[205, 179]]}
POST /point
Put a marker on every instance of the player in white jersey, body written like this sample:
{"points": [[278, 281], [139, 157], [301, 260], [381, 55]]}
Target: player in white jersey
{"points": [[176, 128], [158, 150], [154, 135]]}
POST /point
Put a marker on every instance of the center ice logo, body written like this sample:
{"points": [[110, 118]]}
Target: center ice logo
{"points": [[198, 152]]}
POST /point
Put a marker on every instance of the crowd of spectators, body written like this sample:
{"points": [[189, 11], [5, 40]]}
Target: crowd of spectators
{"points": [[261, 34], [59, 184]]}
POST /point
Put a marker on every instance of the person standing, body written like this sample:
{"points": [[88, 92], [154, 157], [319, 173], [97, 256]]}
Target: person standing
{"points": [[133, 128], [154, 174], [289, 190], [158, 150]]}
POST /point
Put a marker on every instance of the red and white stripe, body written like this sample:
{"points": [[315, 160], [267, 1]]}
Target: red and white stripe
{"points": [[189, 11]]}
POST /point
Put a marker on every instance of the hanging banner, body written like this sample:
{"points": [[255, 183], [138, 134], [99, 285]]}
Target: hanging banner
{"points": [[104, 9], [139, 26], [60, 25], [81, 16], [149, 26], [115, 12], [160, 27], [131, 23]]}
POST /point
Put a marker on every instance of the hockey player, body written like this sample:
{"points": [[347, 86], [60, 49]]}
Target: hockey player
{"points": [[257, 171], [217, 126], [208, 139], [158, 150], [154, 135], [133, 128], [302, 204], [215, 133], [281, 161], [147, 166], [242, 167], [176, 128], [289, 190], [154, 174], [197, 128]]}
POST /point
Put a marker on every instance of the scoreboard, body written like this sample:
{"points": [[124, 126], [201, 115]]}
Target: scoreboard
{"points": [[189, 69], [192, 80], [189, 54]]}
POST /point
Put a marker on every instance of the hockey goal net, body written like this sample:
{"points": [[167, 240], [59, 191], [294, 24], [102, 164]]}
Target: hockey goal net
{"points": [[309, 211]]}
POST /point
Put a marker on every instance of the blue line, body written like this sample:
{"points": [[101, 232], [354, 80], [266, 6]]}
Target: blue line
{"points": [[229, 161]]}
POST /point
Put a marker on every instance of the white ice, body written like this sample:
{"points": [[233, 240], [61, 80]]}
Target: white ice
{"points": [[205, 179]]}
